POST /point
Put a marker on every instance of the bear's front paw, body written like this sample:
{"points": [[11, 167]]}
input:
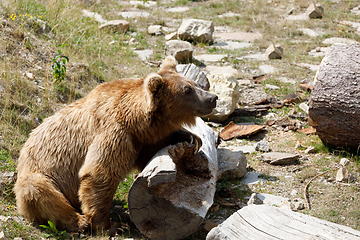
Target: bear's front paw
{"points": [[192, 139]]}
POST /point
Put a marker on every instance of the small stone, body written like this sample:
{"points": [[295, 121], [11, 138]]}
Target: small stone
{"points": [[232, 163], [97, 16], [298, 145], [30, 76], [273, 52], [294, 193], [7, 177], [132, 41], [254, 199], [310, 149], [2, 236], [134, 14], [315, 11], [155, 30], [297, 204], [303, 106], [262, 146], [181, 50], [144, 54], [171, 36], [342, 175], [271, 87], [344, 162], [116, 25], [18, 238], [278, 158]]}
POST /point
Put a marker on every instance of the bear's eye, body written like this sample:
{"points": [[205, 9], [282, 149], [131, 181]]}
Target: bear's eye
{"points": [[188, 89]]}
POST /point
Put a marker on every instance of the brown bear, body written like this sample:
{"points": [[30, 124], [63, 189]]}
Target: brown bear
{"points": [[71, 165]]}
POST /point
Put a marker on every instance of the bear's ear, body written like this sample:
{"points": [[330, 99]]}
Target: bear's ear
{"points": [[153, 82], [169, 63]]}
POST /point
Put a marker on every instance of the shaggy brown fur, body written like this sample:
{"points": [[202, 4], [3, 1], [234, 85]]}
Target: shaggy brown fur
{"points": [[70, 167]]}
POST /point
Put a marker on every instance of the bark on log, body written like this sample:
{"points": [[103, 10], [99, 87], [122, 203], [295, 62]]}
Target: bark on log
{"points": [[168, 200], [334, 104], [262, 222]]}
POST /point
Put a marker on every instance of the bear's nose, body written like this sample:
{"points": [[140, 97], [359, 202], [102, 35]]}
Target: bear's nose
{"points": [[213, 98]]}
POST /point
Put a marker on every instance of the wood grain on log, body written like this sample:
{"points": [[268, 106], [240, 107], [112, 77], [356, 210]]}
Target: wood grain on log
{"points": [[171, 196], [262, 222], [334, 108]]}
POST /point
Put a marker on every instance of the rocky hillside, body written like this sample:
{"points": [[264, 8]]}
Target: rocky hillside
{"points": [[260, 57]]}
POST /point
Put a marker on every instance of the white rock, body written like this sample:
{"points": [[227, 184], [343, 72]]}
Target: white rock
{"points": [[178, 9], [334, 40], [271, 87], [181, 50], [253, 178], [228, 91], [262, 146], [342, 175], [97, 16], [273, 200], [344, 162], [134, 14], [232, 164], [267, 69], [254, 199], [196, 30], [247, 149], [274, 52], [297, 204], [310, 149], [171, 36], [315, 11], [311, 32], [303, 106], [221, 70], [256, 56], [116, 25], [230, 45], [294, 193], [300, 17], [155, 30], [144, 54], [210, 57], [2, 236], [30, 76], [143, 3], [237, 36]]}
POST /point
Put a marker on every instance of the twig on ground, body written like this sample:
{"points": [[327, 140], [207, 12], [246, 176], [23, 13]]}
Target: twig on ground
{"points": [[307, 185]]}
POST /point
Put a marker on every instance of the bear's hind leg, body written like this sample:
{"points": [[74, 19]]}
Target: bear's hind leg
{"points": [[40, 201]]}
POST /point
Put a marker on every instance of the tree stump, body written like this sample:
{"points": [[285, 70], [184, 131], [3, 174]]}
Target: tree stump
{"points": [[171, 196], [334, 108]]}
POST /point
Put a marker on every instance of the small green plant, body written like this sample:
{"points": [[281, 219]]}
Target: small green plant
{"points": [[58, 67], [52, 231]]}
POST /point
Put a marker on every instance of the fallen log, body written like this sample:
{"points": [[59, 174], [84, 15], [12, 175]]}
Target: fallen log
{"points": [[170, 201], [267, 222], [334, 108]]}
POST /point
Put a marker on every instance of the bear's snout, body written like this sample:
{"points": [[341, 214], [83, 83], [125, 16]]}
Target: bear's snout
{"points": [[212, 100]]}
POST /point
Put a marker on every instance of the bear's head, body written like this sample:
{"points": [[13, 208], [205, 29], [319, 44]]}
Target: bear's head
{"points": [[177, 96]]}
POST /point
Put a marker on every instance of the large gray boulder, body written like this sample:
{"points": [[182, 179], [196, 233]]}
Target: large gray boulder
{"points": [[228, 90], [196, 30]]}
